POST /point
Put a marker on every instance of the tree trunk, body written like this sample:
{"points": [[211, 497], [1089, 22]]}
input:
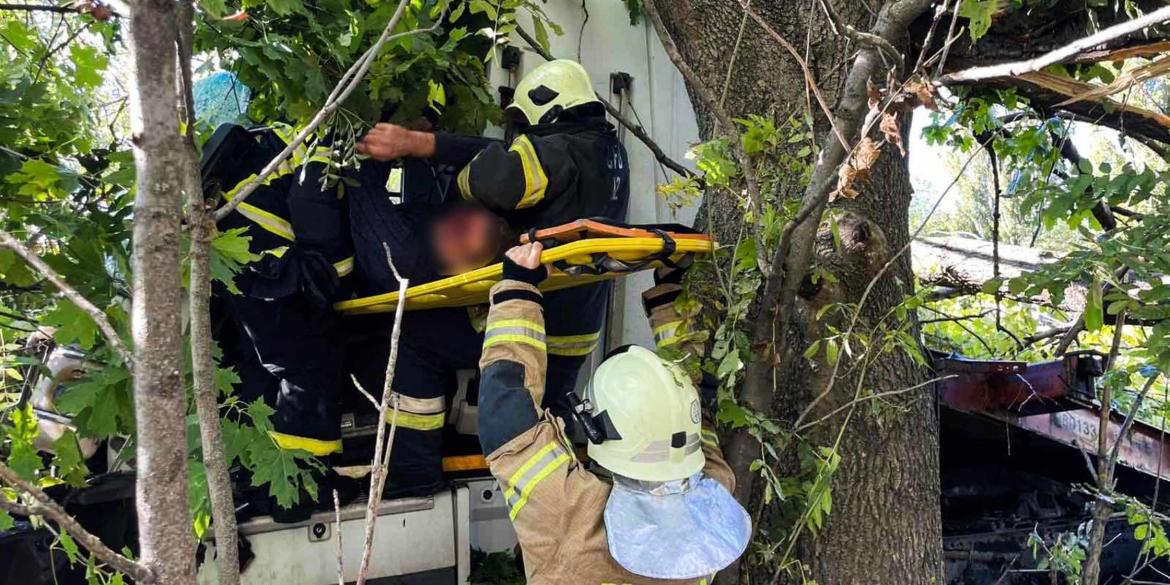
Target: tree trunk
{"points": [[164, 524], [887, 488]]}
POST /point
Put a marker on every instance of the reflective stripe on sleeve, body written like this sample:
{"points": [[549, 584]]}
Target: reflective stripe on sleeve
{"points": [[515, 330], [315, 446], [573, 345], [710, 438], [667, 333], [547, 460], [267, 220], [344, 267], [535, 180]]}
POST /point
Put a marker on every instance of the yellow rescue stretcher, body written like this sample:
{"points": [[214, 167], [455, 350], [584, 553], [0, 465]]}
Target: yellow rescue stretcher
{"points": [[581, 252]]}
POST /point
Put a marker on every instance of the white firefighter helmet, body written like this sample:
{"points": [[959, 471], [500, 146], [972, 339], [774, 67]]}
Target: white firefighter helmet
{"points": [[550, 89], [652, 407]]}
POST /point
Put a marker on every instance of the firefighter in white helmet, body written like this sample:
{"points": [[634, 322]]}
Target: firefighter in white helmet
{"points": [[667, 514]]}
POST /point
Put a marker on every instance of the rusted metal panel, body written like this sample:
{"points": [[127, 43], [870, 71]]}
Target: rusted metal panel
{"points": [[1008, 386], [1143, 448]]}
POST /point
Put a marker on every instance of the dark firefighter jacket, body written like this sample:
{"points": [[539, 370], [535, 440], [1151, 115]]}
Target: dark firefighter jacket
{"points": [[302, 247], [550, 175], [555, 504]]}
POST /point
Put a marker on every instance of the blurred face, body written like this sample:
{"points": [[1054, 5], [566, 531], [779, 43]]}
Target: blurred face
{"points": [[466, 238]]}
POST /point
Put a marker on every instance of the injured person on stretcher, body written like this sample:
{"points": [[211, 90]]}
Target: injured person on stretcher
{"points": [[452, 204]]}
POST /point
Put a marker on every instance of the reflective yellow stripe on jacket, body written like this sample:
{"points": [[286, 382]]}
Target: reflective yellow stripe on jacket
{"points": [[268, 220], [535, 181], [547, 460], [317, 447], [573, 345], [516, 331]]}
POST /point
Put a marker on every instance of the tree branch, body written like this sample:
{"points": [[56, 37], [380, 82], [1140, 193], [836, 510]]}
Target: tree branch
{"points": [[1062, 54], [219, 486], [383, 445], [636, 129], [349, 82], [47, 508], [98, 316], [725, 122]]}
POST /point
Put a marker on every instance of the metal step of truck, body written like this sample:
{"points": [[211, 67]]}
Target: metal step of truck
{"points": [[416, 541]]}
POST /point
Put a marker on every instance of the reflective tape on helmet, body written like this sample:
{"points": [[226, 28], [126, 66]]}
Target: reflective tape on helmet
{"points": [[317, 447], [659, 451], [573, 345], [515, 330], [535, 180], [547, 460]]}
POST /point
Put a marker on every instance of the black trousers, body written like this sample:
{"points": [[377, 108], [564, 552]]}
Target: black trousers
{"points": [[434, 344], [289, 353]]}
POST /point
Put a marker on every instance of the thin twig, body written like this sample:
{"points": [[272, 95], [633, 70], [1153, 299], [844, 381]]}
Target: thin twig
{"points": [[349, 82], [383, 446], [857, 401], [1129, 418], [872, 282], [841, 28], [337, 538], [809, 78], [711, 101], [1017, 68], [99, 317], [204, 391], [46, 507]]}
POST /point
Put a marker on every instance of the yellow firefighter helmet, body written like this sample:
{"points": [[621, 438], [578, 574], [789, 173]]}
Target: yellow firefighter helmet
{"points": [[550, 89]]}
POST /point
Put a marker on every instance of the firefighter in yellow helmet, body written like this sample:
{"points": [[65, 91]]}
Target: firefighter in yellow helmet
{"points": [[567, 163], [668, 515]]}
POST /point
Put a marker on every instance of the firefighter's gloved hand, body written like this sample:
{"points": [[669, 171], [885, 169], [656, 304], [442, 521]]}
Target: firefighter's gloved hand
{"points": [[522, 263], [319, 279]]}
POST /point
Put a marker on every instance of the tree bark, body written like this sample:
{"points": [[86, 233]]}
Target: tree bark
{"points": [[164, 524], [886, 489]]}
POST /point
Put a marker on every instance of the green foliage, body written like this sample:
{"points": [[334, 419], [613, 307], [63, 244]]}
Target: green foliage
{"points": [[1061, 556], [495, 568], [22, 454], [978, 14], [292, 56], [102, 404], [284, 472]]}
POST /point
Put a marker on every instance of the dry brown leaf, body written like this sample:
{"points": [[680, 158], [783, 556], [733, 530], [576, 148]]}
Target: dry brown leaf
{"points": [[96, 10], [890, 129], [856, 168], [874, 93], [925, 94]]}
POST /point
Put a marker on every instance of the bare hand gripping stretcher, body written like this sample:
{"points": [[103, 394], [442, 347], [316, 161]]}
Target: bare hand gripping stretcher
{"points": [[581, 252]]}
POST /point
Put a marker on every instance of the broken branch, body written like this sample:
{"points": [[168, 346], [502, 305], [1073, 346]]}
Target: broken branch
{"points": [[1069, 51], [98, 316], [340, 93], [47, 508]]}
